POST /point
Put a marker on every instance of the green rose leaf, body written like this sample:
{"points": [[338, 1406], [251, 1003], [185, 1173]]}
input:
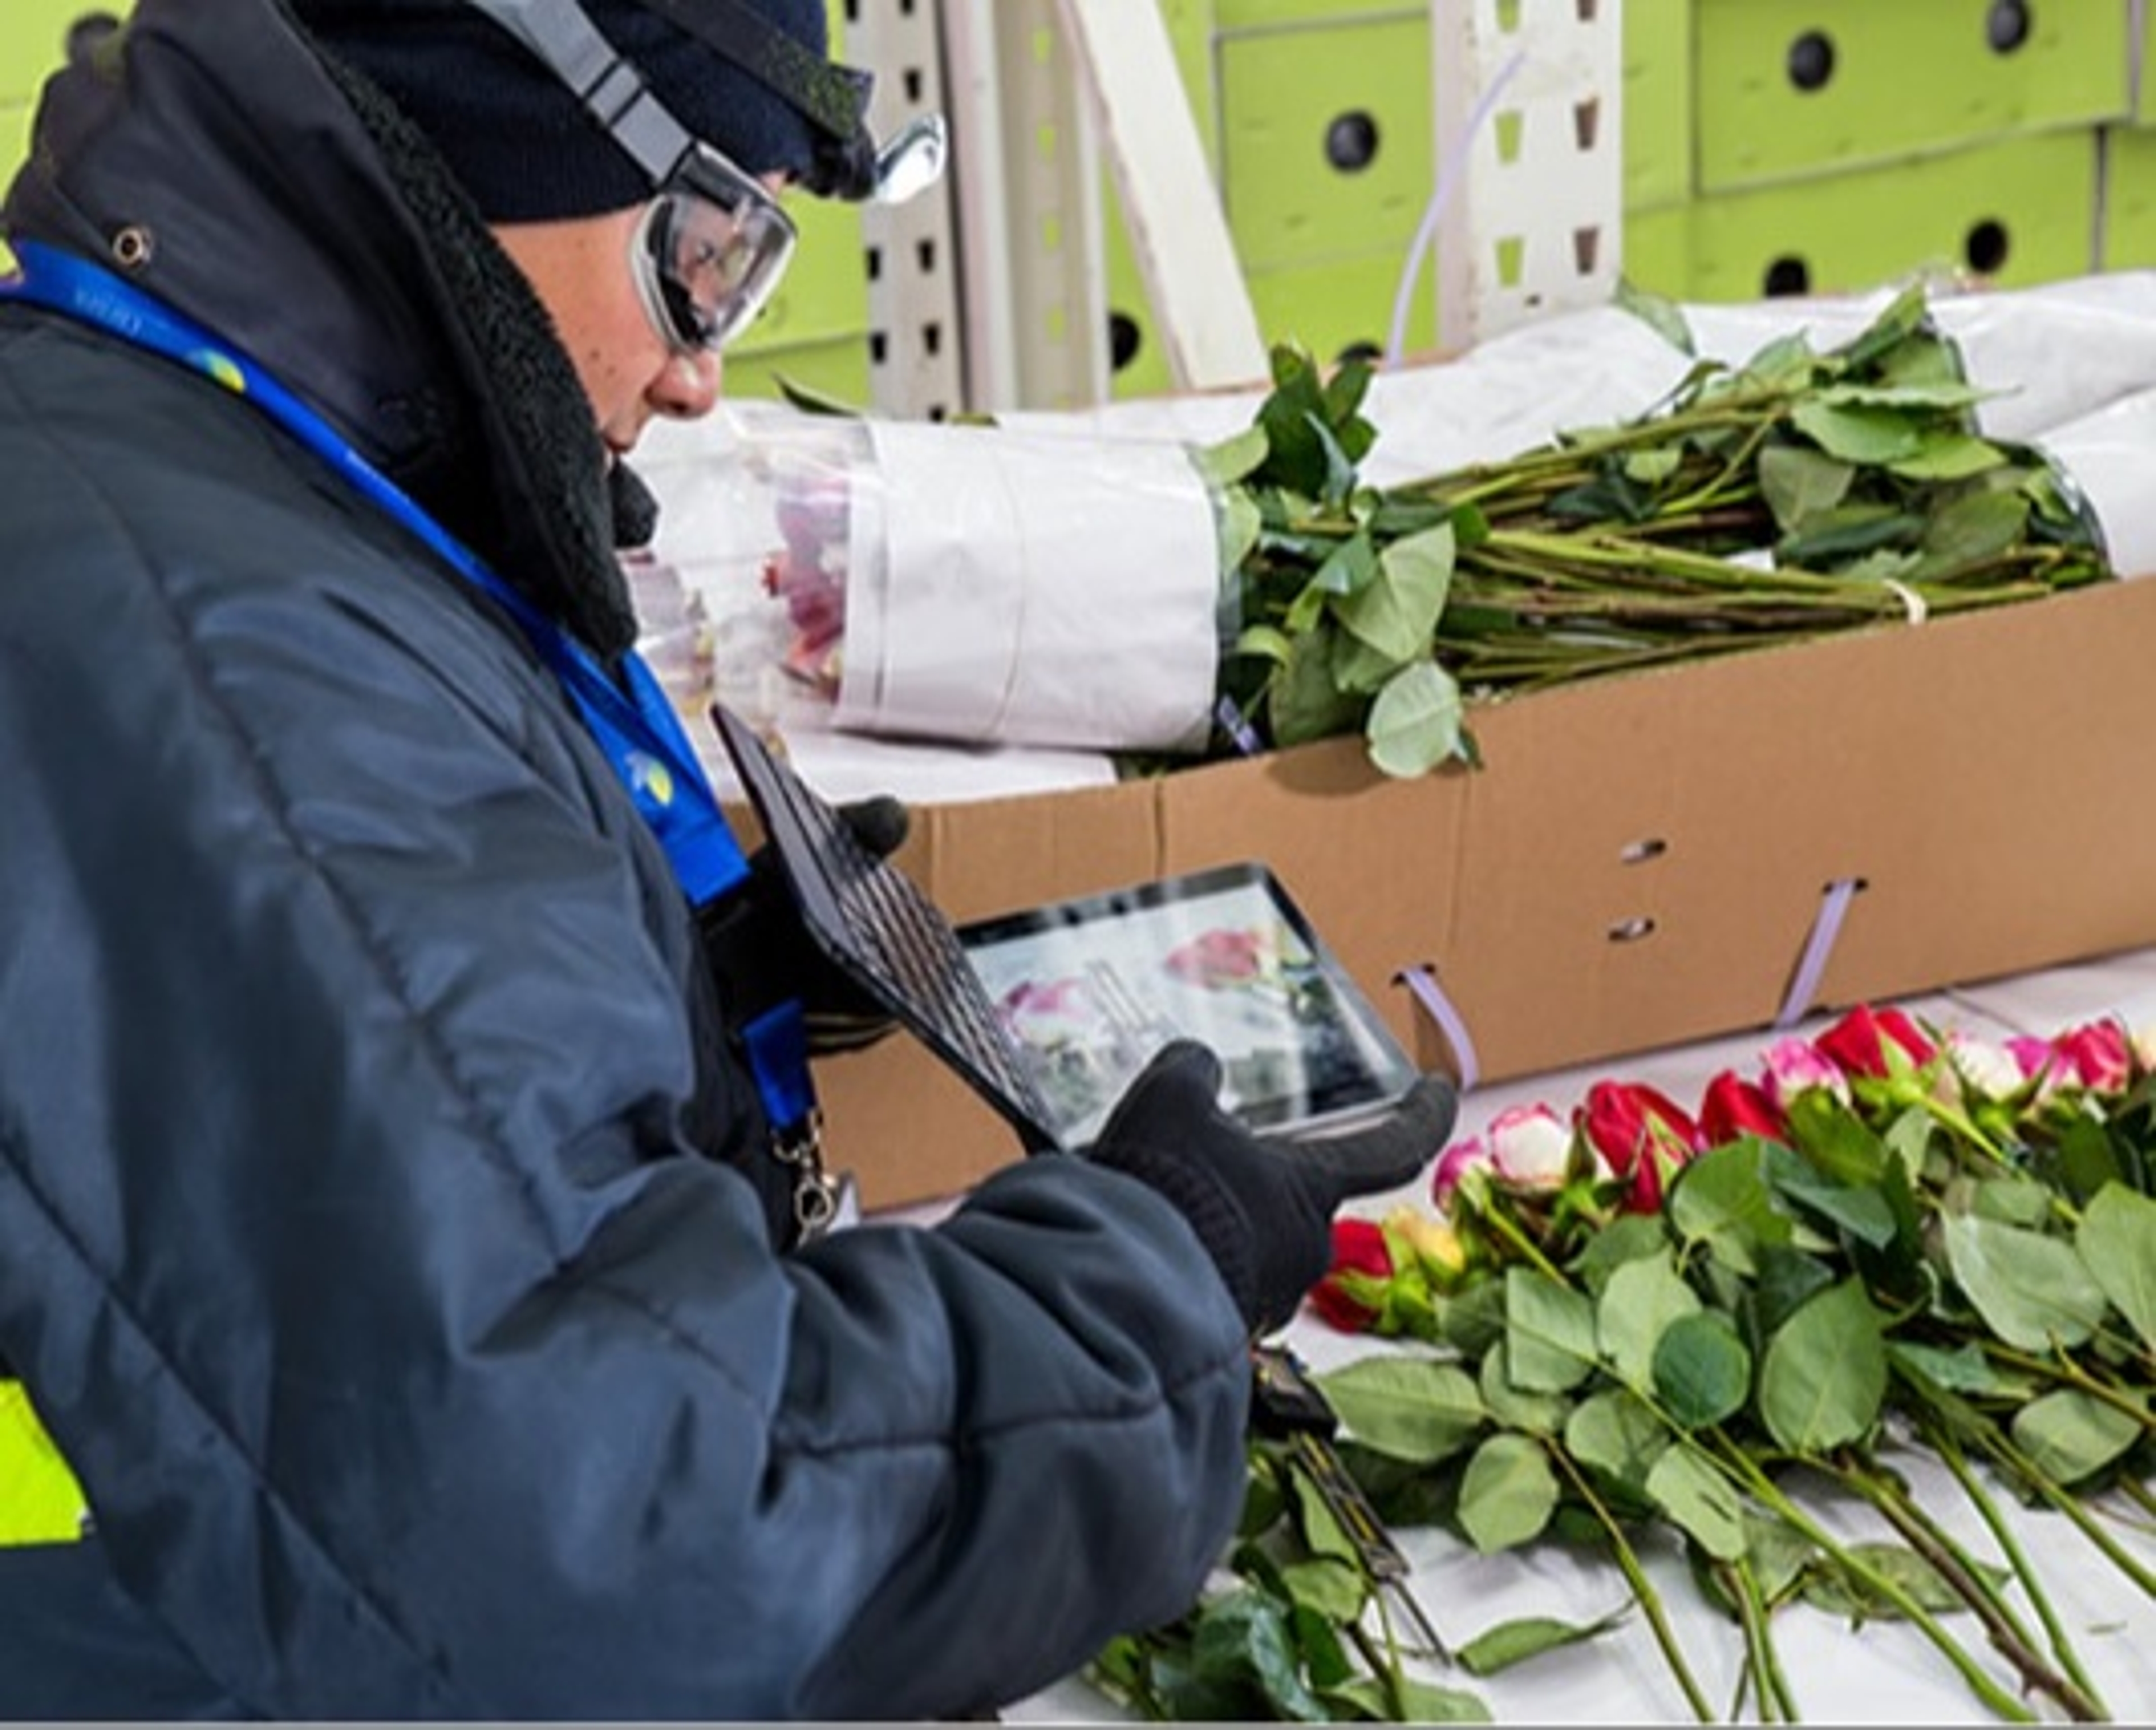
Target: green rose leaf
{"points": [[1824, 1376], [1723, 1201], [2032, 1290], [1418, 1702], [1965, 1369], [1233, 459], [1549, 1332], [1855, 1593], [1640, 1300], [1396, 610], [1406, 1408], [1949, 456], [1703, 1369], [1800, 484], [2071, 1436], [1701, 1502], [2116, 1243], [1618, 1434], [1515, 1408], [1507, 1494], [1240, 524], [1509, 1643], [1242, 1642], [1330, 1587], [1417, 721], [1305, 702], [1858, 433]]}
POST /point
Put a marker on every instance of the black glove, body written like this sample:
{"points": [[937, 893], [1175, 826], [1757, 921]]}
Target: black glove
{"points": [[760, 951], [1261, 1204]]}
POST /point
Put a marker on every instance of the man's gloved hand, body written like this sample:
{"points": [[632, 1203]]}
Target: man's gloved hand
{"points": [[761, 952], [1261, 1204]]}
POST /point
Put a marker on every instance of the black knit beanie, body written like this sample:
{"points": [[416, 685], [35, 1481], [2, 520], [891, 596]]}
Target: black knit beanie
{"points": [[521, 142]]}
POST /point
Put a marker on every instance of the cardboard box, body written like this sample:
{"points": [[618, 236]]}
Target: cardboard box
{"points": [[1641, 860]]}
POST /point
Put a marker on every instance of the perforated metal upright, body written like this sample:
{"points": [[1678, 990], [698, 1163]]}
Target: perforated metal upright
{"points": [[1534, 225], [916, 365]]}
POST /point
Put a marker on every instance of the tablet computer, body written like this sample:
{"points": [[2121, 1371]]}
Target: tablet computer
{"points": [[1088, 989]]}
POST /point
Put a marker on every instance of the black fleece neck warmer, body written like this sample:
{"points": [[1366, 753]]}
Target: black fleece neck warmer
{"points": [[546, 520]]}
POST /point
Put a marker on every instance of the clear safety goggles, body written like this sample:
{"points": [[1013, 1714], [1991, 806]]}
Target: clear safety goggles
{"points": [[710, 250]]}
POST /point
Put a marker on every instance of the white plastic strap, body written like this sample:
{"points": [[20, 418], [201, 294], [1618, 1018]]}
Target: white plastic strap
{"points": [[1422, 983], [1826, 927]]}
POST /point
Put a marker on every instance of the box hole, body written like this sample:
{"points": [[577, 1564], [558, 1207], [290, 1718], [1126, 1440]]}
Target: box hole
{"points": [[2006, 25], [1508, 16], [1787, 275], [1351, 142], [879, 348], [1636, 930], [1585, 10], [1586, 249], [1511, 260], [1857, 885], [915, 84], [1810, 63], [1986, 248], [1586, 122], [924, 256], [1643, 851], [873, 257], [931, 339]]}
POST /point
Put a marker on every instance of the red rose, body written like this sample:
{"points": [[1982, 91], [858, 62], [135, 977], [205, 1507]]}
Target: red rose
{"points": [[1641, 1135], [1732, 1108], [1351, 1296], [1876, 1043]]}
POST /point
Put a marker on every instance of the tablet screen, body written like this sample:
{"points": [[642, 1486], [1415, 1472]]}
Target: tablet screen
{"points": [[1087, 991]]}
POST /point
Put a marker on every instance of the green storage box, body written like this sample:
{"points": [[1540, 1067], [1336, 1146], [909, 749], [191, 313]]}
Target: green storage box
{"points": [[1327, 138], [2014, 213], [1659, 103], [1789, 88], [1344, 306], [2129, 241]]}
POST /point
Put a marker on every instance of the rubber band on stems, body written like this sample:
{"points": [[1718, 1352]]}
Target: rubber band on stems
{"points": [[1811, 964], [1422, 983], [1450, 173]]}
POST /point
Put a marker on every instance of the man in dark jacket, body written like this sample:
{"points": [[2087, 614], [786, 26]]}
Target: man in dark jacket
{"points": [[393, 1237]]}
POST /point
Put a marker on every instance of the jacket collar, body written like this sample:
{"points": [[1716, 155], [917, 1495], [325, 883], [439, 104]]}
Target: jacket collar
{"points": [[272, 194]]}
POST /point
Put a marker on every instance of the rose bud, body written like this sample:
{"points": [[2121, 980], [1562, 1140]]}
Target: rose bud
{"points": [[1987, 1069], [1734, 1108], [1351, 1297], [1640, 1135], [2096, 1055], [1796, 1066], [1876, 1043]]}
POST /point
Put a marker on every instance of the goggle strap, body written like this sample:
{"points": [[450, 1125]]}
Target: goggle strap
{"points": [[613, 91], [834, 97]]}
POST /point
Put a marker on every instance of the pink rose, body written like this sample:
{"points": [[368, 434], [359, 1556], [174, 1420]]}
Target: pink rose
{"points": [[1794, 1066], [1526, 1146], [2097, 1056]]}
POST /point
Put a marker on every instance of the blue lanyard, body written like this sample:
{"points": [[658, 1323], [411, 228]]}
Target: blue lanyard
{"points": [[636, 728]]}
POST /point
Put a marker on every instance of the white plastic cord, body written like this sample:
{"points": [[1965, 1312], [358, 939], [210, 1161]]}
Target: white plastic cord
{"points": [[1450, 173]]}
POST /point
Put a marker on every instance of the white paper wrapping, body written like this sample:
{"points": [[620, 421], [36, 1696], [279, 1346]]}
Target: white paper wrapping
{"points": [[1032, 590], [2110, 456]]}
